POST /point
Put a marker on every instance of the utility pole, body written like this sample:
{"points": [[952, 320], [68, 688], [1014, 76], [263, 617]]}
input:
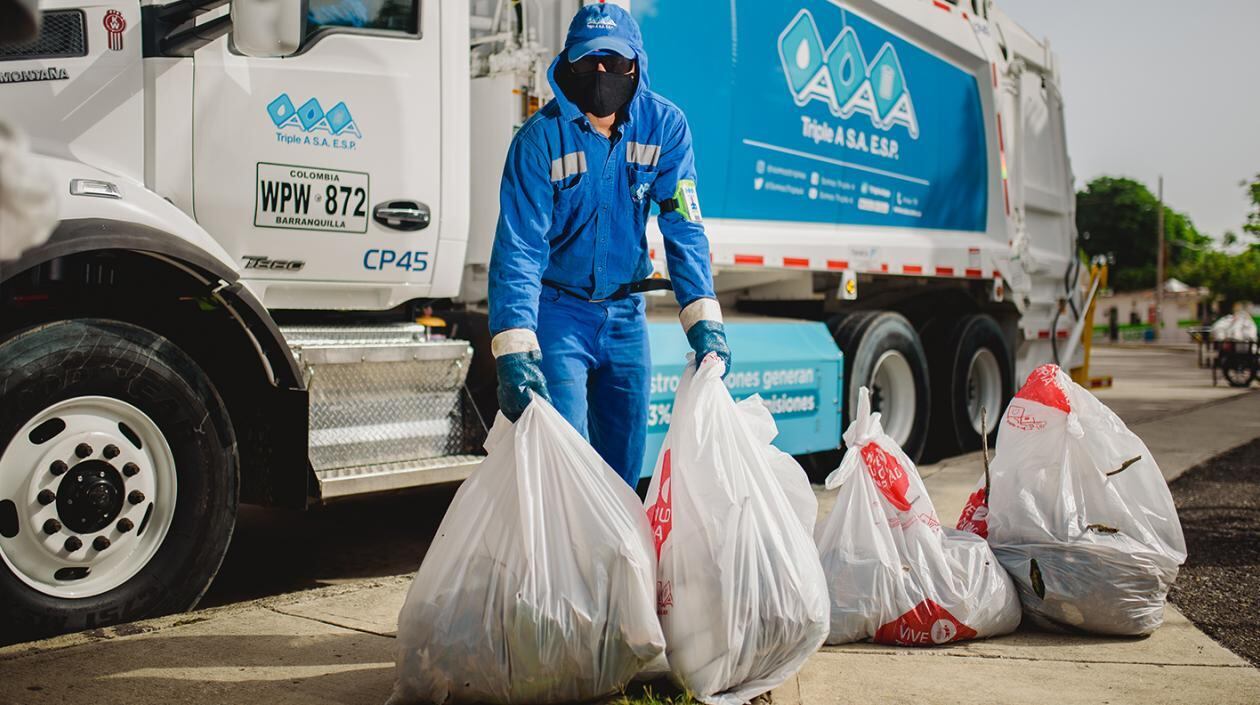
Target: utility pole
{"points": [[1159, 264]]}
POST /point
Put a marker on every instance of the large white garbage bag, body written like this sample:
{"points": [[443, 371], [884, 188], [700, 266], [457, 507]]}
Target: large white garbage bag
{"points": [[1237, 326], [540, 585], [1078, 512], [740, 592], [895, 574]]}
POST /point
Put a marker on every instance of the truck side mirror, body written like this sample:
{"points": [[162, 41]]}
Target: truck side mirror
{"points": [[268, 28]]}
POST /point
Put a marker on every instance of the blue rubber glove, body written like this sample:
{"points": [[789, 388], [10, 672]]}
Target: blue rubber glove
{"points": [[519, 374], [710, 337]]}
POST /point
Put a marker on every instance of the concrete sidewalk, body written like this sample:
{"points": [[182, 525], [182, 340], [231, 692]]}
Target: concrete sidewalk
{"points": [[334, 645]]}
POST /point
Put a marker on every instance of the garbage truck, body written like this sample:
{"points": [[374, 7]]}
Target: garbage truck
{"points": [[268, 281]]}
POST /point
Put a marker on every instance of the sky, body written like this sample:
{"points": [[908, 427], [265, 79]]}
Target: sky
{"points": [[1160, 86]]}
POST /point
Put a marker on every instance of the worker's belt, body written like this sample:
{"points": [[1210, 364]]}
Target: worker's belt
{"points": [[622, 291]]}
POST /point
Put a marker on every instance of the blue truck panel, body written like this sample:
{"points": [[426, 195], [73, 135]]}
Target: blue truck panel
{"points": [[805, 111], [794, 365]]}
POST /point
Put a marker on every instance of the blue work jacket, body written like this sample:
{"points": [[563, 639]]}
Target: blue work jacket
{"points": [[573, 206]]}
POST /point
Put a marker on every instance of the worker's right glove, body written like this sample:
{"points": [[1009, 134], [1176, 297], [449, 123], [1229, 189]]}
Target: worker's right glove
{"points": [[517, 359], [702, 322]]}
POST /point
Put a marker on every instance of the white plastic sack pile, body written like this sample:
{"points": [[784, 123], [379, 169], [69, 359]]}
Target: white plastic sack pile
{"points": [[740, 592], [1078, 512], [1239, 326], [540, 585], [895, 574]]}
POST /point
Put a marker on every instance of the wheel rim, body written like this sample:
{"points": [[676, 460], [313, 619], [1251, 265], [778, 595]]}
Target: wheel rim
{"points": [[1238, 372], [892, 395], [984, 390], [93, 479]]}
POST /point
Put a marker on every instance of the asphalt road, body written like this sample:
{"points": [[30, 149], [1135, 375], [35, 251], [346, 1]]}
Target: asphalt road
{"points": [[276, 552], [1218, 588]]}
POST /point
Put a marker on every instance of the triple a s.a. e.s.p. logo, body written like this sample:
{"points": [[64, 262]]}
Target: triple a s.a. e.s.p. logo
{"points": [[311, 125], [840, 76]]}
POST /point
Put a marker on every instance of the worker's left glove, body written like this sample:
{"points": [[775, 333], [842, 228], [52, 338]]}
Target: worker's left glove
{"points": [[702, 322], [517, 358]]}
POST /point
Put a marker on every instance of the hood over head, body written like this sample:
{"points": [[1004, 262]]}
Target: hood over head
{"points": [[600, 28]]}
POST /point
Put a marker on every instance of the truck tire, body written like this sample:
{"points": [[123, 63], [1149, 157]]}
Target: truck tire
{"points": [[118, 478], [882, 351], [971, 369]]}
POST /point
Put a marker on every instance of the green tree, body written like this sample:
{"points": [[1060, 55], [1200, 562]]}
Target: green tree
{"points": [[1121, 215], [1253, 217], [1231, 277]]}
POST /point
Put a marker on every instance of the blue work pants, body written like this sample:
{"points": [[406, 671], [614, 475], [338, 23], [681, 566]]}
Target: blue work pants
{"points": [[597, 363]]}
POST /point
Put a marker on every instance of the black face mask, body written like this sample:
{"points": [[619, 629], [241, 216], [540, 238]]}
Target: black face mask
{"points": [[598, 92]]}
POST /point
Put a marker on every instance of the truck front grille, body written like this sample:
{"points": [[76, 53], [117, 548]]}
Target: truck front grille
{"points": [[62, 34]]}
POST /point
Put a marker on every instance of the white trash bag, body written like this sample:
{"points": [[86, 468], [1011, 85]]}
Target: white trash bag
{"points": [[740, 592], [896, 575], [540, 584], [1237, 326], [1078, 512]]}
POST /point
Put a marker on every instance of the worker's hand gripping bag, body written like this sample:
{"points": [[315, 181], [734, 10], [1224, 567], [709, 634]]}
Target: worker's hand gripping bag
{"points": [[540, 585], [1078, 512], [740, 592], [896, 576]]}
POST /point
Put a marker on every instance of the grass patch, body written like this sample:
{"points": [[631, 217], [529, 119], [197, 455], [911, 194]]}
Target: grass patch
{"points": [[660, 692]]}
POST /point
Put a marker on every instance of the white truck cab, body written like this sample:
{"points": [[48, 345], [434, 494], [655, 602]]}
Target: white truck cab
{"points": [[267, 284]]}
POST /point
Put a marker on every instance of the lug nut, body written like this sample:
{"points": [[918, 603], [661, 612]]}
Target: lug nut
{"points": [[58, 467], [125, 525], [100, 543], [111, 451], [52, 526], [73, 544], [130, 469], [135, 497], [83, 450], [46, 497]]}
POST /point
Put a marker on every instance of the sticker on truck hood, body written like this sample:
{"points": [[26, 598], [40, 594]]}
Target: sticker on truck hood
{"points": [[311, 198]]}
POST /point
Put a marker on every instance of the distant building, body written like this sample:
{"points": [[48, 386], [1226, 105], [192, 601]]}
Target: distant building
{"points": [[1182, 302]]}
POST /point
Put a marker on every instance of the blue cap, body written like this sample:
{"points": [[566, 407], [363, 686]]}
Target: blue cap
{"points": [[602, 27]]}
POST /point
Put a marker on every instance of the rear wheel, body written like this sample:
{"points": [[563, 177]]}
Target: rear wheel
{"points": [[882, 351], [118, 478], [1237, 370], [971, 369]]}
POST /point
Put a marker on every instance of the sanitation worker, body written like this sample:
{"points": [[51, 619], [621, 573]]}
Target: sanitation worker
{"points": [[570, 255]]}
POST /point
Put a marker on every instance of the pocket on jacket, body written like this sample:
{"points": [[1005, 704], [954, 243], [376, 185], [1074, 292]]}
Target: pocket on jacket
{"points": [[640, 182], [567, 197]]}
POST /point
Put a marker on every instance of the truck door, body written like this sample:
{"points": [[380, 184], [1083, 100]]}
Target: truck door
{"points": [[325, 166]]}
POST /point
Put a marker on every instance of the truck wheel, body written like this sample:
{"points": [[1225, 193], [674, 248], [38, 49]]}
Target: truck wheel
{"points": [[971, 367], [118, 478], [882, 351]]}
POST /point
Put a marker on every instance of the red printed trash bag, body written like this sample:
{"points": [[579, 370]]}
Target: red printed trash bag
{"points": [[895, 574], [1078, 512], [740, 593], [540, 584]]}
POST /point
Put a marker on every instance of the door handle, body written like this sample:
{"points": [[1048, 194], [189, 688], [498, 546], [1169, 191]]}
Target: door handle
{"points": [[402, 215]]}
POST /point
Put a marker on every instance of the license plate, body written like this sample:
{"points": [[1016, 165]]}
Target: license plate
{"points": [[311, 198]]}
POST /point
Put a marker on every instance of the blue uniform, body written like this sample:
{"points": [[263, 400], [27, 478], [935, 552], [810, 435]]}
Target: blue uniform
{"points": [[573, 210]]}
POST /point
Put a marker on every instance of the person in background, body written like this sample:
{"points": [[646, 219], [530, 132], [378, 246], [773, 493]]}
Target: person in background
{"points": [[570, 254]]}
